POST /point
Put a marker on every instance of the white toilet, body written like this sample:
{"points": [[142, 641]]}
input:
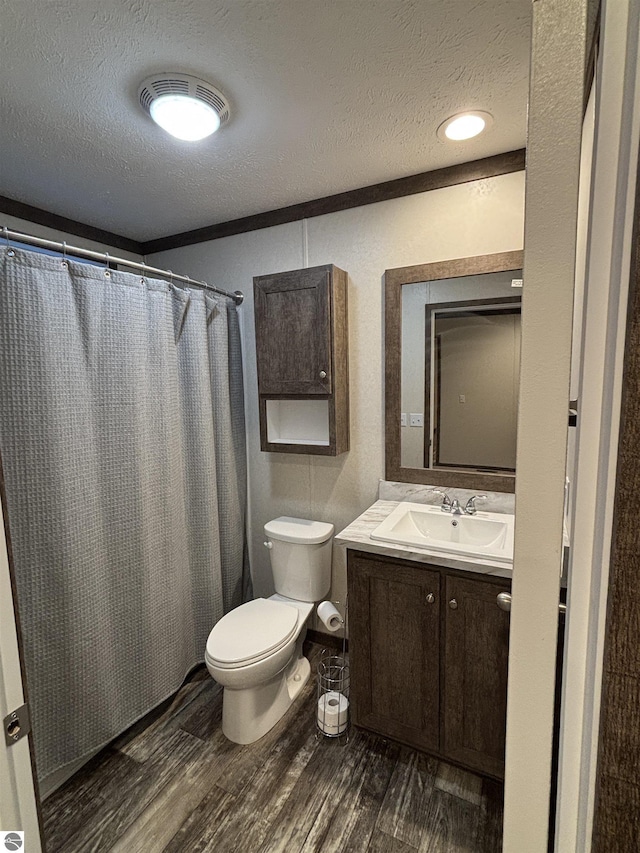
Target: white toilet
{"points": [[255, 651]]}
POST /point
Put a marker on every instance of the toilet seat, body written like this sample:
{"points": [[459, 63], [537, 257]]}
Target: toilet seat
{"points": [[251, 632]]}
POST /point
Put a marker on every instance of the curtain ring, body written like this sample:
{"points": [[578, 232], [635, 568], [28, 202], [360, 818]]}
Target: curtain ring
{"points": [[64, 262], [107, 271], [10, 250]]}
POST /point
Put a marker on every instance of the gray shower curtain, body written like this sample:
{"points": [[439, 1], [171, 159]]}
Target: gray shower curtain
{"points": [[123, 446]]}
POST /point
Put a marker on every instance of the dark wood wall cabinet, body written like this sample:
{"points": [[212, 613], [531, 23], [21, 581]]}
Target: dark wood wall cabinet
{"points": [[429, 654], [302, 351]]}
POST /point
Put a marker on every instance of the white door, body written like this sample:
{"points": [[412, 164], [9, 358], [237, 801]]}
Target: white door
{"points": [[18, 808]]}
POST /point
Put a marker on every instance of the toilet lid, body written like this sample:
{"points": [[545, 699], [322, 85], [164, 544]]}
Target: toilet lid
{"points": [[252, 631]]}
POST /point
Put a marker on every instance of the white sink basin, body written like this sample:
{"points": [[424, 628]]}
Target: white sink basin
{"points": [[487, 535]]}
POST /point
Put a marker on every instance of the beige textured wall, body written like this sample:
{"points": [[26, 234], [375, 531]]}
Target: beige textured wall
{"points": [[469, 219]]}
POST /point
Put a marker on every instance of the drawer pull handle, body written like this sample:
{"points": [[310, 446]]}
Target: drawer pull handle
{"points": [[323, 374], [453, 604], [431, 598]]}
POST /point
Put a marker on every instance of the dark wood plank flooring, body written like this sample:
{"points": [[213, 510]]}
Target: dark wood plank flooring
{"points": [[174, 783]]}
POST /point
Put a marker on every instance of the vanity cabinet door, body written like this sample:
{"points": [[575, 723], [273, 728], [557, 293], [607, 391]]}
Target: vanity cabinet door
{"points": [[476, 649], [394, 650], [293, 332]]}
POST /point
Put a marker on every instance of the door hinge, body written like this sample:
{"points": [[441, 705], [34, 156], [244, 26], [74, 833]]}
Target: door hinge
{"points": [[17, 724]]}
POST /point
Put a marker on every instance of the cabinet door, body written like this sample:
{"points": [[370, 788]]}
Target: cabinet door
{"points": [[394, 650], [476, 650], [293, 332]]}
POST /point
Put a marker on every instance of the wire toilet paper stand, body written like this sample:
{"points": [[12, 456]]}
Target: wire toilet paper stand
{"points": [[332, 707]]}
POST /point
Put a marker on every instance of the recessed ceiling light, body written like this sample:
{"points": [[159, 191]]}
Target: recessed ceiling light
{"points": [[186, 107], [464, 126]]}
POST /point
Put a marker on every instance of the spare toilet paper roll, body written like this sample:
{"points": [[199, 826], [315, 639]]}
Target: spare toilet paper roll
{"points": [[329, 616], [333, 713]]}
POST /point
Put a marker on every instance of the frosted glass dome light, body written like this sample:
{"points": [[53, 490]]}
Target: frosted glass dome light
{"points": [[185, 117], [186, 107], [464, 126]]}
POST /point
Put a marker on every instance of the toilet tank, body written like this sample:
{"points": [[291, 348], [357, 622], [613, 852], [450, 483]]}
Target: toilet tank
{"points": [[300, 552]]}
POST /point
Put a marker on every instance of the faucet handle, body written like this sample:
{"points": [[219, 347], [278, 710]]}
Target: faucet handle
{"points": [[470, 506], [446, 504]]}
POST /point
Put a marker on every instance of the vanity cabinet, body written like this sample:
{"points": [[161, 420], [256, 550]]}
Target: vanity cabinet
{"points": [[302, 360], [428, 650]]}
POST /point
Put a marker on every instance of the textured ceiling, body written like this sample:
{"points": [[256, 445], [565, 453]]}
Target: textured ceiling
{"points": [[326, 96]]}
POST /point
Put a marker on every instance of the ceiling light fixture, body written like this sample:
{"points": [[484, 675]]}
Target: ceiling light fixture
{"points": [[186, 107], [464, 126]]}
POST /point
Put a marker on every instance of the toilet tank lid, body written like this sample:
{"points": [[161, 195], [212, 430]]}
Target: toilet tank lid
{"points": [[300, 530]]}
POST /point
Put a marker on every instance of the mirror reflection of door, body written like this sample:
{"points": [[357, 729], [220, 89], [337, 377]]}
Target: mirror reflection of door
{"points": [[458, 409], [473, 389]]}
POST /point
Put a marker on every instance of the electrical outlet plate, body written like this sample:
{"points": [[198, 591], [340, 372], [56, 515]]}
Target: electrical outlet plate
{"points": [[416, 419], [403, 419]]}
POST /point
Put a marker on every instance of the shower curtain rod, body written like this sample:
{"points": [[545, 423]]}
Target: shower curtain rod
{"points": [[8, 234]]}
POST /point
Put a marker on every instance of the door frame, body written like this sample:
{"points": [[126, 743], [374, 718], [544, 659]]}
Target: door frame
{"points": [[508, 305], [19, 803], [556, 107], [609, 246]]}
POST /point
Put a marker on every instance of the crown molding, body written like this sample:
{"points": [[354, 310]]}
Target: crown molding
{"points": [[13, 207], [489, 167]]}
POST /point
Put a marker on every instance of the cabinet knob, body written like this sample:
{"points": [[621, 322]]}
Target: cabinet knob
{"points": [[503, 600], [453, 604], [323, 374], [431, 598]]}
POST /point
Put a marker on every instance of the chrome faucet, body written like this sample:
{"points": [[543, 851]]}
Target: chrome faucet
{"points": [[448, 505], [470, 506], [453, 506]]}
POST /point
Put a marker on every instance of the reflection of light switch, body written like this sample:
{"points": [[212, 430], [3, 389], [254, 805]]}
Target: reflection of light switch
{"points": [[461, 398], [416, 419], [403, 419]]}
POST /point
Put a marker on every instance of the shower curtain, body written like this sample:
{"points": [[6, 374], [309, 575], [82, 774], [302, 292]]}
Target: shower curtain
{"points": [[123, 446]]}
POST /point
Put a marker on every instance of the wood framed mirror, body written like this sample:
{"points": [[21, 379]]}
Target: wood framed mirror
{"points": [[452, 359]]}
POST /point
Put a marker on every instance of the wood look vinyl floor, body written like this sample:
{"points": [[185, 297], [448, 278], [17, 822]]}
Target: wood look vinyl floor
{"points": [[173, 783]]}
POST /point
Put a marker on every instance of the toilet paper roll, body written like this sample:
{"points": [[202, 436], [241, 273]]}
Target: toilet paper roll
{"points": [[329, 616], [333, 713]]}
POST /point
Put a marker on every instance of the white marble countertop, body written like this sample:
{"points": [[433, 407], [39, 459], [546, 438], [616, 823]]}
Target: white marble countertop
{"points": [[358, 536]]}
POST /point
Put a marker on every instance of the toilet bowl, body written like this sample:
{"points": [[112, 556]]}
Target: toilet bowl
{"points": [[255, 653], [255, 650]]}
